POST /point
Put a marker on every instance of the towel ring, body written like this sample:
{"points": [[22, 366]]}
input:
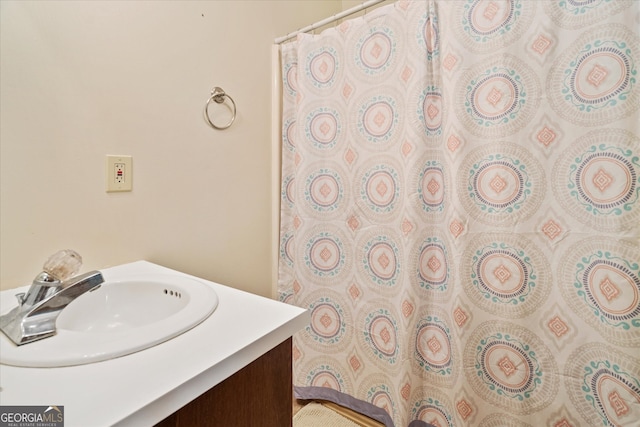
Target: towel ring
{"points": [[218, 95]]}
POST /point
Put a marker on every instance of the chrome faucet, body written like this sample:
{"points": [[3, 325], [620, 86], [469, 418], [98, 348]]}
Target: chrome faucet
{"points": [[51, 291]]}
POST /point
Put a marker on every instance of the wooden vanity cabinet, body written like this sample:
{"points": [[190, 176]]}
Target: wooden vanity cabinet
{"points": [[259, 395]]}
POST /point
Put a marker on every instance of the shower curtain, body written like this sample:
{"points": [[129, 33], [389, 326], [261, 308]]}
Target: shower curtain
{"points": [[459, 212]]}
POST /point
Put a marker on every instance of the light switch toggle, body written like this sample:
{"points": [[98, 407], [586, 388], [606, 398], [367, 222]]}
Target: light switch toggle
{"points": [[119, 173]]}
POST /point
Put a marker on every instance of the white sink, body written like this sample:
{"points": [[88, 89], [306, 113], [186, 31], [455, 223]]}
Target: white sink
{"points": [[119, 318]]}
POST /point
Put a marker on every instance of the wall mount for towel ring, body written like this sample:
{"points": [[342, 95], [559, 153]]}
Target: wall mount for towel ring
{"points": [[218, 95]]}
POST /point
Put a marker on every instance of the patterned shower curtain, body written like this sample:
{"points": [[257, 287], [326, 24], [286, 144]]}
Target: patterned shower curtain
{"points": [[459, 212]]}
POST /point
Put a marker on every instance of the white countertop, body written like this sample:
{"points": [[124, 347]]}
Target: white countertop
{"points": [[143, 388]]}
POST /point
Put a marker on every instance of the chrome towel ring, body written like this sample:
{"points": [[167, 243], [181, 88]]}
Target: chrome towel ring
{"points": [[218, 95]]}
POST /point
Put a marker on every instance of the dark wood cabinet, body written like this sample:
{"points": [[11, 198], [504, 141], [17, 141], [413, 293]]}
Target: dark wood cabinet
{"points": [[259, 395]]}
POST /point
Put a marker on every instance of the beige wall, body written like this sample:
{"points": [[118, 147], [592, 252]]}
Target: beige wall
{"points": [[83, 79]]}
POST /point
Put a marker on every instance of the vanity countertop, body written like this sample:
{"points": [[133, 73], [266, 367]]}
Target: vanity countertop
{"points": [[143, 388]]}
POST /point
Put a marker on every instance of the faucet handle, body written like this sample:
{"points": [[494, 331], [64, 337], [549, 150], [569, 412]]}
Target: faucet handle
{"points": [[20, 297], [63, 264]]}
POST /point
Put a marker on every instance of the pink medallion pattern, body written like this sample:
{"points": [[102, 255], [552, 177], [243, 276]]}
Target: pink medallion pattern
{"points": [[506, 276], [505, 184], [460, 212], [600, 179], [510, 363], [595, 80], [603, 384], [605, 292], [485, 25], [381, 261], [497, 96]]}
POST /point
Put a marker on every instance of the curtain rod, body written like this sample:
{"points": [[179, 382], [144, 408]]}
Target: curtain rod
{"points": [[329, 20]]}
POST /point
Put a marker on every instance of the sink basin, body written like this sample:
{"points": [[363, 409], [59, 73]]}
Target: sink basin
{"points": [[119, 318]]}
